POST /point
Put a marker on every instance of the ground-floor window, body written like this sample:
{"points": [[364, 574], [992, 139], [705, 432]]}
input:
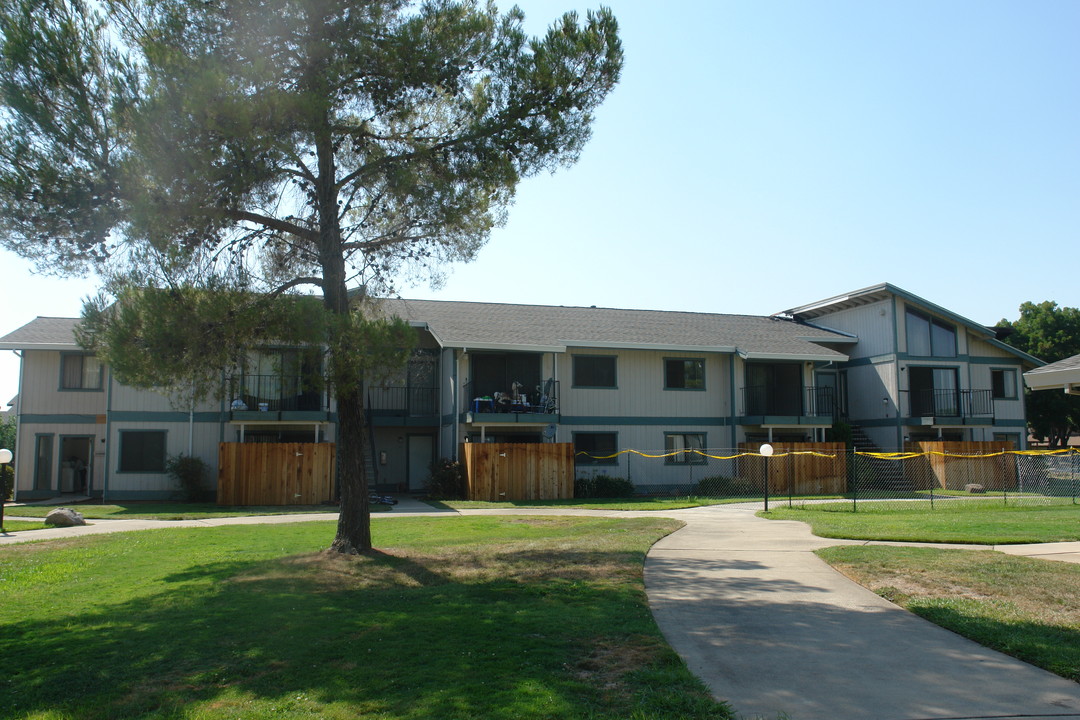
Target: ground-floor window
{"points": [[682, 445], [596, 448], [142, 451]]}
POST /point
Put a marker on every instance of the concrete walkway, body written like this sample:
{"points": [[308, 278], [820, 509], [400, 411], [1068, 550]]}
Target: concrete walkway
{"points": [[775, 631]]}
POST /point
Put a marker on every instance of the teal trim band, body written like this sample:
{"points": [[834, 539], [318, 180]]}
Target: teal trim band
{"points": [[665, 421], [1010, 423], [58, 418], [806, 420], [159, 416], [398, 421]]}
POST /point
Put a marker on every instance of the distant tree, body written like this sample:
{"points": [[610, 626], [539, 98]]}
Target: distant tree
{"points": [[1050, 333], [215, 156]]}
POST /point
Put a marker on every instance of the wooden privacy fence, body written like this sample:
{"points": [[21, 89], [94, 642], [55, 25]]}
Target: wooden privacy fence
{"points": [[821, 470], [518, 471], [946, 467], [275, 473]]}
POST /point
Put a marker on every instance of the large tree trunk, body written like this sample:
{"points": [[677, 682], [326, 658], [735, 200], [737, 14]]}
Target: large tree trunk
{"points": [[354, 520]]}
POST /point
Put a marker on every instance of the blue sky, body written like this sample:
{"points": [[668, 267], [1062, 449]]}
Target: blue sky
{"points": [[762, 154]]}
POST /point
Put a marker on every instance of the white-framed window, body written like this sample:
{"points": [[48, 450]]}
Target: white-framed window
{"points": [[79, 371]]}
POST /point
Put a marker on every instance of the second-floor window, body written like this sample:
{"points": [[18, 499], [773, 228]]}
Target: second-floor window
{"points": [[594, 371], [929, 337], [80, 372], [1003, 384], [684, 374]]}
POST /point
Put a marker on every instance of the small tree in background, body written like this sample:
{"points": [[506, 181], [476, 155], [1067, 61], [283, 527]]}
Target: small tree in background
{"points": [[1050, 333]]}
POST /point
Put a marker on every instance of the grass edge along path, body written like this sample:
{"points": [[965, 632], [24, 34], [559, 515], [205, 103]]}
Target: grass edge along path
{"points": [[493, 617], [1019, 606], [980, 525]]}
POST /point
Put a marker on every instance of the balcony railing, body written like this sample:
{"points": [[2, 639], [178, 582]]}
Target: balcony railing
{"points": [[950, 403], [544, 401], [403, 401], [275, 393], [791, 401]]}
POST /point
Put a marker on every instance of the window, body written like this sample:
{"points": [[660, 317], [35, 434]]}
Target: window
{"points": [[43, 458], [80, 372], [1003, 384], [142, 451], [594, 371], [598, 448], [684, 374], [929, 337], [681, 444]]}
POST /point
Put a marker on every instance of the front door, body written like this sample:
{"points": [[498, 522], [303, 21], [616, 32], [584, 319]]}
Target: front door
{"points": [[421, 453], [76, 458]]}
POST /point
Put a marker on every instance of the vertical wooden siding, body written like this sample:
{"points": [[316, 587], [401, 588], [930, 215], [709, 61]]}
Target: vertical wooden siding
{"points": [[275, 473], [818, 474], [953, 473], [518, 471]]}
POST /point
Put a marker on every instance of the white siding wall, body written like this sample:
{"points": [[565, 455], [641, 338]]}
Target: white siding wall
{"points": [[873, 324]]}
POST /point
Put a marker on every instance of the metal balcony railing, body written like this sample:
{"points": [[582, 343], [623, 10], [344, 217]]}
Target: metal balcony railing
{"points": [[793, 401], [403, 401], [275, 393], [544, 401], [950, 403]]}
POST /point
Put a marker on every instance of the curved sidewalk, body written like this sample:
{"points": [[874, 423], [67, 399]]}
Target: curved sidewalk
{"points": [[772, 629]]}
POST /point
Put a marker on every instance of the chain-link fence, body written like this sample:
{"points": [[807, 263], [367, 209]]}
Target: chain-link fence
{"points": [[799, 476]]}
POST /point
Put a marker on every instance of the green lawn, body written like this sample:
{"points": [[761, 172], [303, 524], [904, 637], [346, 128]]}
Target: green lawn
{"points": [[21, 525], [956, 523], [1024, 607], [632, 503], [477, 617], [173, 510]]}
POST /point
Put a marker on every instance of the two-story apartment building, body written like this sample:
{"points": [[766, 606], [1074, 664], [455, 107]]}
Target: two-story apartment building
{"points": [[604, 379], [921, 372]]}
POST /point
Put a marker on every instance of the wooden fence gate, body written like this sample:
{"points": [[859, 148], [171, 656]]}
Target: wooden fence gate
{"points": [[275, 473], [949, 470], [518, 471], [821, 471]]}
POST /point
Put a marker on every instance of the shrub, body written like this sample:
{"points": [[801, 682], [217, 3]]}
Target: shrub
{"points": [[7, 481], [603, 486], [721, 486], [190, 474], [447, 481]]}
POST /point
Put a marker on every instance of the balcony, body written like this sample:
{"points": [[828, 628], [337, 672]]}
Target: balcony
{"points": [[402, 402], [818, 405], [274, 397], [539, 406], [948, 406]]}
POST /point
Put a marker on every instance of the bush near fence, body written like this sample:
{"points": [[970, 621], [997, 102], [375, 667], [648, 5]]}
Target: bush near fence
{"points": [[930, 473]]}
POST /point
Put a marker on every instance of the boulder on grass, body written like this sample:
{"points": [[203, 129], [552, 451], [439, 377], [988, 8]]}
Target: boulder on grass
{"points": [[974, 488], [64, 517]]}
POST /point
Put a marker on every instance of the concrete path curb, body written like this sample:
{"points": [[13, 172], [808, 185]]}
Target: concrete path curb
{"points": [[773, 630]]}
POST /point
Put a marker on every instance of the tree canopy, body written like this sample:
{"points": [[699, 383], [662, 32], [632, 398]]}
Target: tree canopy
{"points": [[1050, 333], [247, 149]]}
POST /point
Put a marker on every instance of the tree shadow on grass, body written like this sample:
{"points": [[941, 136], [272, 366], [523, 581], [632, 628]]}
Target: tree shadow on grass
{"points": [[332, 636]]}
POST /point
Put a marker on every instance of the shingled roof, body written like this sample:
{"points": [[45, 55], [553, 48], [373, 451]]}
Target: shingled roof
{"points": [[548, 328], [556, 328], [42, 333]]}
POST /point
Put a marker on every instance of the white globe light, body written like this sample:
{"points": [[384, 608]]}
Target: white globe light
{"points": [[5, 456], [766, 450]]}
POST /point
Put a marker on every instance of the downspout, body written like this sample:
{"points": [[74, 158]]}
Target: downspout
{"points": [[18, 430], [191, 422], [731, 399], [108, 440], [896, 364], [454, 392]]}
